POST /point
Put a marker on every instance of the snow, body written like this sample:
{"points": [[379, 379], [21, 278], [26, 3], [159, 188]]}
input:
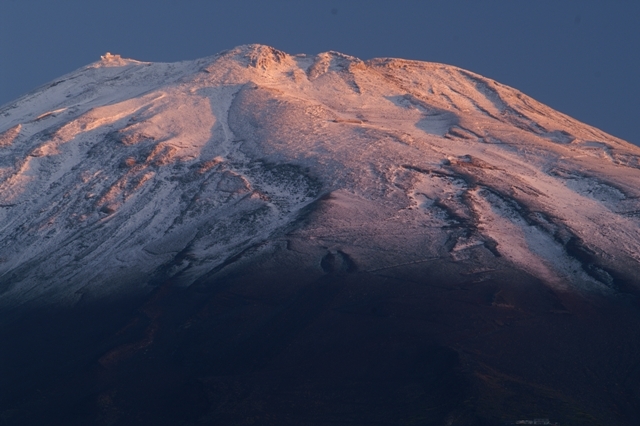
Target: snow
{"points": [[125, 173]]}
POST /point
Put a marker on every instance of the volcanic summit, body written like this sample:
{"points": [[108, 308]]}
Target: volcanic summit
{"points": [[312, 240]]}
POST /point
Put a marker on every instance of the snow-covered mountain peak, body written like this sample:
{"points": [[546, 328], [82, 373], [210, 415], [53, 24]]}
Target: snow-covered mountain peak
{"points": [[111, 60], [120, 176]]}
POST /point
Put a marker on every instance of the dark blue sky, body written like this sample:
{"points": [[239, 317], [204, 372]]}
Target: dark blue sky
{"points": [[580, 57]]}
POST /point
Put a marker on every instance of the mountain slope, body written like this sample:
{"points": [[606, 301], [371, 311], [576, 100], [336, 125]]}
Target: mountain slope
{"points": [[124, 155], [125, 179]]}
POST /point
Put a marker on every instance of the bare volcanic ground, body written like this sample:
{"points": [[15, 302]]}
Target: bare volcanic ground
{"points": [[257, 238]]}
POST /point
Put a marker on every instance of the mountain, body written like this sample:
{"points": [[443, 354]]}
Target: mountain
{"points": [[260, 238]]}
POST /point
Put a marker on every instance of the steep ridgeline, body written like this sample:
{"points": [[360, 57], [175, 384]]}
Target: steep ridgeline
{"points": [[125, 174], [259, 238]]}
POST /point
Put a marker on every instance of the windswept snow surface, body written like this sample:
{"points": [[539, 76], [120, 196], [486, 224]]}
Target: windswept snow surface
{"points": [[126, 174]]}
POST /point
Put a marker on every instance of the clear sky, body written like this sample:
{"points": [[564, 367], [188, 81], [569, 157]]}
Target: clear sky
{"points": [[579, 57]]}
